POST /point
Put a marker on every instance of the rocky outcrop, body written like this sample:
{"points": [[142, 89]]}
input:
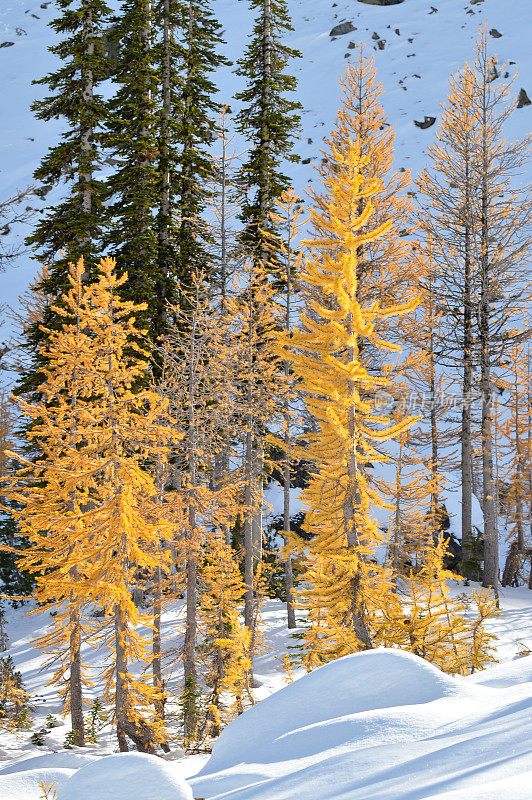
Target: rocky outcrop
{"points": [[342, 28], [381, 2], [523, 99], [427, 122]]}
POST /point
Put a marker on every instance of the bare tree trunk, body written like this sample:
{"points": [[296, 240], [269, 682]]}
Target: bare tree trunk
{"points": [[126, 724], [121, 686], [351, 504], [158, 681], [397, 515], [75, 682], [288, 574], [491, 533], [248, 519], [86, 123], [466, 466], [189, 652], [256, 522], [512, 566], [164, 221]]}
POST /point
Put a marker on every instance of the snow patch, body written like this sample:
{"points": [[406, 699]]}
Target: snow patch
{"points": [[126, 776]]}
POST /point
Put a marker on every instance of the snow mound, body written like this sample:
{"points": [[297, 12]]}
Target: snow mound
{"points": [[27, 785], [126, 776], [333, 694], [22, 780], [68, 759], [377, 726], [507, 674]]}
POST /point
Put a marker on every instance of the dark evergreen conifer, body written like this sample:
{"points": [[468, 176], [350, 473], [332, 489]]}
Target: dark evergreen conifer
{"points": [[201, 38], [73, 227], [132, 138], [187, 56], [269, 119]]}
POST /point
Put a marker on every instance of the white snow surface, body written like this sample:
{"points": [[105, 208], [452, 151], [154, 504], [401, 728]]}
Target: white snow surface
{"points": [[379, 725], [375, 726], [127, 776]]}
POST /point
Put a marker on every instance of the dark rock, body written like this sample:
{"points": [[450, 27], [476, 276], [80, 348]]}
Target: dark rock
{"points": [[351, 46], [495, 33], [20, 32], [398, 32], [375, 36], [381, 2], [43, 190], [305, 161], [523, 99], [433, 10], [309, 141], [342, 28], [7, 44], [427, 122], [380, 44]]}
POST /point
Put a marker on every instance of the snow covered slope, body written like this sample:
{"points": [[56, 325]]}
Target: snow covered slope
{"points": [[422, 46], [380, 725], [386, 721]]}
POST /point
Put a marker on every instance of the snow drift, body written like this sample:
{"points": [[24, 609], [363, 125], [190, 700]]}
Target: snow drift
{"points": [[377, 726], [127, 776]]}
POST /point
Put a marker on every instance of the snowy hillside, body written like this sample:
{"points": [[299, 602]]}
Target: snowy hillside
{"points": [[417, 733], [336, 733], [421, 44]]}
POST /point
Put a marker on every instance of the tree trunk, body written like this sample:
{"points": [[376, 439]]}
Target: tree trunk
{"points": [[466, 465], [256, 522], [158, 681], [248, 522], [126, 724], [351, 504], [512, 566], [491, 533], [434, 462], [75, 682], [189, 652], [164, 221], [288, 574], [86, 123]]}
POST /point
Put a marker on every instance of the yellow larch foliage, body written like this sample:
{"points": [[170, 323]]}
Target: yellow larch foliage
{"points": [[445, 630], [339, 392], [87, 498], [225, 650], [343, 362]]}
